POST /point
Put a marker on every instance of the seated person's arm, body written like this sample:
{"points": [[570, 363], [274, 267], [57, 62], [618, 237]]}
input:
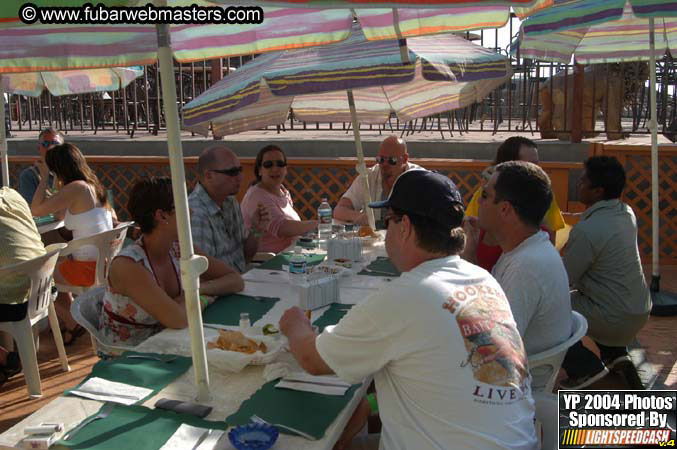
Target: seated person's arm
{"points": [[291, 228], [346, 212], [578, 255], [219, 278], [130, 278], [298, 330], [43, 205]]}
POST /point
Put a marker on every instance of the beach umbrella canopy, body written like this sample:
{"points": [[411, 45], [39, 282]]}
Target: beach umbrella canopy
{"points": [[69, 82], [600, 31], [442, 73], [60, 83], [40, 47]]}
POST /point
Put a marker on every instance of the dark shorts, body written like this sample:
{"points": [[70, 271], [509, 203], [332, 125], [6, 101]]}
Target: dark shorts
{"points": [[14, 312]]}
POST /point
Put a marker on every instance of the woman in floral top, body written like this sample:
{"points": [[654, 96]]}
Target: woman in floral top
{"points": [[144, 293]]}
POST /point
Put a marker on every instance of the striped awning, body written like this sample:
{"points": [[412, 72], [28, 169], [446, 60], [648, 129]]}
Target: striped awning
{"points": [[598, 31], [446, 72]]}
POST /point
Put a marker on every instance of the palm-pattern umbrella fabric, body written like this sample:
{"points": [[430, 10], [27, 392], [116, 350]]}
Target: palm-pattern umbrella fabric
{"points": [[446, 72]]}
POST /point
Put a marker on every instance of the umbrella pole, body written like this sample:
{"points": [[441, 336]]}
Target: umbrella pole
{"points": [[3, 142], [361, 166], [191, 265], [664, 303]]}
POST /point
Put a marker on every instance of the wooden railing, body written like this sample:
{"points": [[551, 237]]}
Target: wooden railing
{"points": [[311, 179]]}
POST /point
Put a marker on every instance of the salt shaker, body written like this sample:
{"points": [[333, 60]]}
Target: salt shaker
{"points": [[245, 324]]}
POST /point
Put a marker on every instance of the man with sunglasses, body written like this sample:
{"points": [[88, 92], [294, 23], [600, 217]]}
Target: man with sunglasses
{"points": [[216, 220], [29, 178], [440, 341], [530, 270], [391, 162]]}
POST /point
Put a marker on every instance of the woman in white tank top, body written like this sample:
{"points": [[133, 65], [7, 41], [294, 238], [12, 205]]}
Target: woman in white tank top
{"points": [[87, 212]]}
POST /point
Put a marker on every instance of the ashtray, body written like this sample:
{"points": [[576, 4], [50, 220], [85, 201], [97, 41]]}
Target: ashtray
{"points": [[253, 436]]}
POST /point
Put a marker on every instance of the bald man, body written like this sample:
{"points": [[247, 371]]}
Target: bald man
{"points": [[391, 162], [216, 221]]}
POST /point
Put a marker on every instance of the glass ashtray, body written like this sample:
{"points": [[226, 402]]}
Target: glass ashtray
{"points": [[253, 436]]}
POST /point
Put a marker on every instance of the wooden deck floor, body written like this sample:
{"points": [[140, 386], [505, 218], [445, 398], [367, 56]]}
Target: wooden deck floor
{"points": [[657, 342]]}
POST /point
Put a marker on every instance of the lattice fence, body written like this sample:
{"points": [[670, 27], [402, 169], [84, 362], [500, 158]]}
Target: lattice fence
{"points": [[637, 163]]}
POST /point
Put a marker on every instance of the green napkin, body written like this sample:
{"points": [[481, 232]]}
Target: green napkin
{"points": [[332, 315], [305, 411], [382, 267], [133, 427], [148, 373], [306, 244], [282, 259], [42, 220], [226, 310]]}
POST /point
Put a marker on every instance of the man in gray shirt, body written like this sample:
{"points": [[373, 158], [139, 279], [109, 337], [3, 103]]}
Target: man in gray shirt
{"points": [[602, 260], [29, 178], [530, 270]]}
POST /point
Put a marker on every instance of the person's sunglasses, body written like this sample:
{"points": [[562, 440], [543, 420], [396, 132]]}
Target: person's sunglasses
{"points": [[389, 217], [392, 160], [269, 164], [49, 143], [232, 172]]}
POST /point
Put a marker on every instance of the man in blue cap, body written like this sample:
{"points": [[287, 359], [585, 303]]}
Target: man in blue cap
{"points": [[440, 341]]}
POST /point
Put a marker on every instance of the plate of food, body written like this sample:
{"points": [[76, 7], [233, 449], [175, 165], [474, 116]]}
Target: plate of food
{"points": [[368, 236], [232, 350]]}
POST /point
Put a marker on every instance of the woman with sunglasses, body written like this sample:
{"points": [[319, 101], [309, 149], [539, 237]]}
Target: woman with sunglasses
{"points": [[88, 212], [285, 224], [144, 293]]}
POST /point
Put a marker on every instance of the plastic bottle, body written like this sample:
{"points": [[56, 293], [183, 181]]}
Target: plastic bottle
{"points": [[324, 214], [245, 324], [298, 267]]}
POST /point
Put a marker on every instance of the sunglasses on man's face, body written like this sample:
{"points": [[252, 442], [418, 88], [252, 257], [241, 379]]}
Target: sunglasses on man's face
{"points": [[232, 172], [389, 217], [49, 143], [269, 164], [392, 160]]}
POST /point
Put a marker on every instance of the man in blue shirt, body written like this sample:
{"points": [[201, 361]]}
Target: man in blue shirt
{"points": [[29, 178]]}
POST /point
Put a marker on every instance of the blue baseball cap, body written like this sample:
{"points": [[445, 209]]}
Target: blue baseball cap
{"points": [[427, 194]]}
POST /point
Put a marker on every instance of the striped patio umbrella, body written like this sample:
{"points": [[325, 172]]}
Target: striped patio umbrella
{"points": [[68, 82], [598, 31], [25, 48], [443, 73], [60, 83]]}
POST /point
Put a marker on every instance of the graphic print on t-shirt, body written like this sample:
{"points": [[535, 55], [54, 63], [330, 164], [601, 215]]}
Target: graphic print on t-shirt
{"points": [[495, 350]]}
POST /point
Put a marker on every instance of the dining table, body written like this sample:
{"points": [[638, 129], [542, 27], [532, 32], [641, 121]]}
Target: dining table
{"points": [[231, 390]]}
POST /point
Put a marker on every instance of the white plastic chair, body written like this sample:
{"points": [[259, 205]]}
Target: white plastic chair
{"points": [[551, 359], [547, 416], [40, 271], [108, 244], [86, 310]]}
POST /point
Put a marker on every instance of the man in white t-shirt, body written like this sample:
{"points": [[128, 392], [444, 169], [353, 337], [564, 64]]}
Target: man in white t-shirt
{"points": [[448, 362], [530, 270], [392, 160]]}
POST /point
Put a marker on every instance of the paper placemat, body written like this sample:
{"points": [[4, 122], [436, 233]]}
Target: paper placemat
{"points": [[282, 259], [308, 412], [226, 310], [147, 373], [135, 427], [332, 315]]}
